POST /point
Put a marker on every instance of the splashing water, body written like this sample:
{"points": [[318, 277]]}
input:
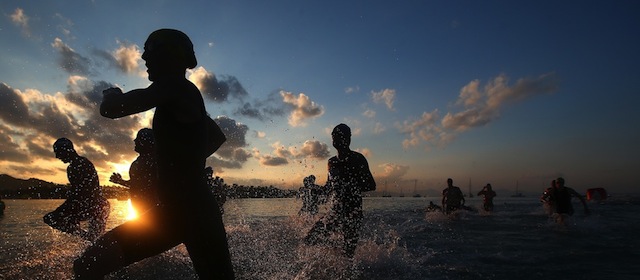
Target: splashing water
{"points": [[399, 240]]}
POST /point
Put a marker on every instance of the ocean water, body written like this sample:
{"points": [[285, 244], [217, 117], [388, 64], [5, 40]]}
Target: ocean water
{"points": [[399, 241]]}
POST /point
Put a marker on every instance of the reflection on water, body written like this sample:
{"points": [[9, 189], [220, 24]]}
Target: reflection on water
{"points": [[399, 241]]}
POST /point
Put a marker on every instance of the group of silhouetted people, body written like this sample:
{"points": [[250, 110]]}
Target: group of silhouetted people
{"points": [[176, 197], [178, 200], [556, 200], [168, 184]]}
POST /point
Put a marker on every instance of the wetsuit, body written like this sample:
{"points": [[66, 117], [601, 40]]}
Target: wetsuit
{"points": [[488, 199], [143, 182], [452, 199], [188, 212], [84, 202], [561, 198], [347, 177]]}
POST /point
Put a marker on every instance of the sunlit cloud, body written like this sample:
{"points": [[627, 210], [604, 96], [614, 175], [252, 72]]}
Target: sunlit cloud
{"points": [[20, 19], [483, 106], [259, 134], [303, 108], [480, 106], [386, 96], [392, 172], [128, 57], [216, 89], [281, 155]]}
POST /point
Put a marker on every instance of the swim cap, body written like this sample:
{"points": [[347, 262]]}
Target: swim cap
{"points": [[63, 143], [177, 44], [342, 129], [146, 136]]}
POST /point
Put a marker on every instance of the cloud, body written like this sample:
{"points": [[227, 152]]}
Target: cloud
{"points": [[20, 19], [269, 107], [314, 149], [214, 89], [480, 106], [38, 119], [127, 57], [386, 96], [393, 172], [352, 89], [483, 106], [232, 154], [69, 60], [268, 160], [282, 155], [379, 128], [369, 113], [302, 108], [259, 134]]}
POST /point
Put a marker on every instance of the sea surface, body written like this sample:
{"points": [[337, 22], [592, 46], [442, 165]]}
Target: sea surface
{"points": [[399, 241]]}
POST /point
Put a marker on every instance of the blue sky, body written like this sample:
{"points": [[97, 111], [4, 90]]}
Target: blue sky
{"points": [[500, 92]]}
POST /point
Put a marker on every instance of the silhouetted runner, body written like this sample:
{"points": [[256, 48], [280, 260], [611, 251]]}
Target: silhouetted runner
{"points": [[349, 176], [84, 199], [143, 173], [188, 212]]}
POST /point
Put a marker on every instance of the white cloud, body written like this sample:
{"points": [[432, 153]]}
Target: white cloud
{"points": [[480, 106], [369, 113], [127, 57], [20, 19], [303, 108], [386, 96]]}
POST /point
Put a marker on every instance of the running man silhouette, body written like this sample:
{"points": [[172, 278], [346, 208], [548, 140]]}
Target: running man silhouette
{"points": [[310, 194], [217, 187], [85, 201], [349, 176], [143, 173], [188, 212], [560, 197], [488, 194], [452, 198]]}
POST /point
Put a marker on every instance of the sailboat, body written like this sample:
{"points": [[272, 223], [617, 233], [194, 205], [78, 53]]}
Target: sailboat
{"points": [[518, 193], [470, 193], [415, 189], [385, 193]]}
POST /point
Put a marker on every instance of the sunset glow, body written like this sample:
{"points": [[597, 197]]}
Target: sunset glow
{"points": [[500, 92], [131, 214]]}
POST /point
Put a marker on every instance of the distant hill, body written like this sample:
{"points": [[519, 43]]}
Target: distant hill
{"points": [[14, 188], [32, 188]]}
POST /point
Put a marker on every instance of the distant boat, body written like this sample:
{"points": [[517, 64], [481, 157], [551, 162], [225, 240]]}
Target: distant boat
{"points": [[470, 193], [385, 193], [415, 189], [518, 193]]}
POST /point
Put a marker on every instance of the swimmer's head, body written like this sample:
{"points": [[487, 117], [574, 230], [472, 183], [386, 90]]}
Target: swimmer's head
{"points": [[341, 136], [168, 50], [63, 148], [144, 141], [560, 181]]}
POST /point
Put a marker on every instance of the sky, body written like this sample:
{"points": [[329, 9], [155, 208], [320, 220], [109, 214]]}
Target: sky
{"points": [[511, 93]]}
